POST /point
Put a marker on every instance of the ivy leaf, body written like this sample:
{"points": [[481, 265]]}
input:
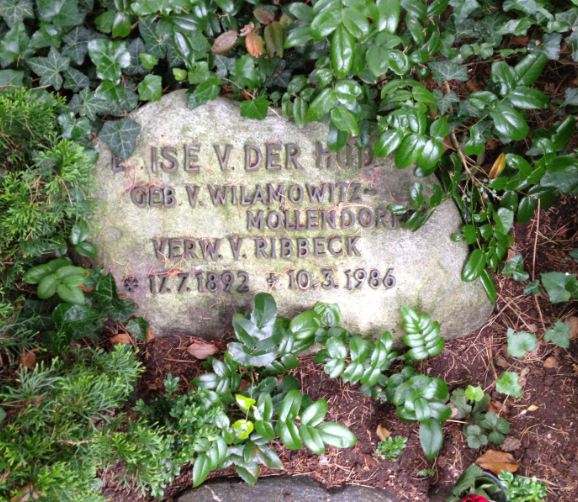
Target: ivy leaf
{"points": [[49, 68], [14, 45], [255, 108], [559, 334], [150, 88], [88, 104], [14, 11], [120, 136], [560, 286], [11, 77], [514, 268], [76, 43], [519, 344], [509, 384], [75, 80], [443, 71], [110, 57]]}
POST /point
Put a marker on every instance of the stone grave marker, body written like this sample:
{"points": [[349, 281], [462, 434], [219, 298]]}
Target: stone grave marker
{"points": [[213, 208]]}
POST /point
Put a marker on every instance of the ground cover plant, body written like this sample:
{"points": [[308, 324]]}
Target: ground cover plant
{"points": [[481, 94]]}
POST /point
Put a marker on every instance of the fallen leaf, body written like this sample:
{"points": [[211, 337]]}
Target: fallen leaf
{"points": [[502, 363], [572, 322], [224, 42], [255, 44], [551, 362], [511, 444], [497, 461], [382, 432], [202, 349], [123, 338], [28, 359], [150, 334], [497, 407], [532, 407], [498, 166]]}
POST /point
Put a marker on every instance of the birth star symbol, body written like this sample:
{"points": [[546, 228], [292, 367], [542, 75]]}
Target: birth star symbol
{"points": [[272, 279]]}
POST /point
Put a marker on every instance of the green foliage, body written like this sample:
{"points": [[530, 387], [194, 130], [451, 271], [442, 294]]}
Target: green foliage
{"points": [[509, 383], [522, 489], [475, 481], [56, 413], [391, 448], [519, 344], [559, 334], [44, 178], [423, 335], [482, 426], [363, 67]]}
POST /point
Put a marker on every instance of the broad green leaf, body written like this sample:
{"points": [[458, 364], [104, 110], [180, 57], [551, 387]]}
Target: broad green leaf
{"points": [[509, 384], [344, 120], [47, 286], [304, 325], [315, 413], [337, 435], [313, 439], [289, 408], [530, 67], [474, 265], [509, 122], [528, 98], [109, 57], [325, 23], [75, 80], [120, 136], [243, 428], [205, 91], [388, 18], [463, 8], [289, 435], [431, 438], [387, 142], [559, 334], [321, 105], [150, 88], [489, 286], [519, 344], [70, 293], [255, 108], [355, 22], [342, 52], [201, 469]]}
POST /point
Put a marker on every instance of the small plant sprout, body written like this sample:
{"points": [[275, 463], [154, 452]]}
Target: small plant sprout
{"points": [[391, 448]]}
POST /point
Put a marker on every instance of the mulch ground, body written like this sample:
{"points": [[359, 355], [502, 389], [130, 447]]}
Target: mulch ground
{"points": [[544, 420]]}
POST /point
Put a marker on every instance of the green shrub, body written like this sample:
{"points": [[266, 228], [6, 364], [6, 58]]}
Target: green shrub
{"points": [[55, 413]]}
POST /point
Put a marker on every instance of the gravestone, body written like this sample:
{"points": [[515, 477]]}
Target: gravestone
{"points": [[213, 208], [282, 489]]}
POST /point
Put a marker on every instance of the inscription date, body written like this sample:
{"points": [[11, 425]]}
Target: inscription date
{"points": [[199, 281], [353, 279]]}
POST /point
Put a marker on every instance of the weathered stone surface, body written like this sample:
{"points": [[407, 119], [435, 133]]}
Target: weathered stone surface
{"points": [[146, 245], [282, 489]]}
